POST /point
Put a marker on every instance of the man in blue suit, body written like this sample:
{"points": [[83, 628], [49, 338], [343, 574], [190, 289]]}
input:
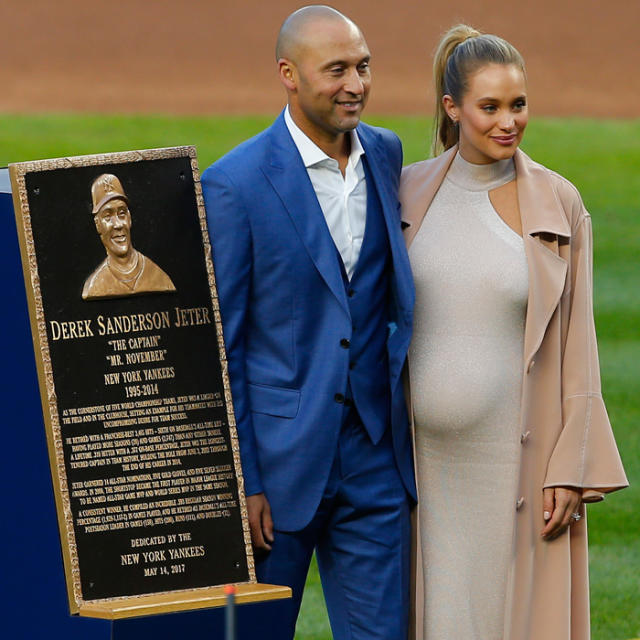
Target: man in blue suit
{"points": [[316, 297]]}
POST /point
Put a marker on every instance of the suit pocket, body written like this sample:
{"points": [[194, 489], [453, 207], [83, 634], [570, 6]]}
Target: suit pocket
{"points": [[274, 401]]}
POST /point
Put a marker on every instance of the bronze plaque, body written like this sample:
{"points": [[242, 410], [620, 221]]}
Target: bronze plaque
{"points": [[133, 377]]}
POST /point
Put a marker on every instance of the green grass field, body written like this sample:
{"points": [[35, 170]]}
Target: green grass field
{"points": [[602, 158]]}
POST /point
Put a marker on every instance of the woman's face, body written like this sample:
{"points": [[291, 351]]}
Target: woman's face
{"points": [[493, 114]]}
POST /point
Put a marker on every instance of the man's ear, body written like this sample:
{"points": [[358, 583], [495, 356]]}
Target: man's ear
{"points": [[288, 74]]}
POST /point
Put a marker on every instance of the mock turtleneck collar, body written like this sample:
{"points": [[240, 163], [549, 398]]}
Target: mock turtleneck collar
{"points": [[480, 177]]}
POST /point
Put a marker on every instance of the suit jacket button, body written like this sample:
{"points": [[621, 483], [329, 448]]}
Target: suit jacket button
{"points": [[339, 398], [519, 503], [345, 343], [524, 437], [351, 293]]}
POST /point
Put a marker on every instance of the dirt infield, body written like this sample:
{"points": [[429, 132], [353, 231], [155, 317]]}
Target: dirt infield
{"points": [[200, 57]]}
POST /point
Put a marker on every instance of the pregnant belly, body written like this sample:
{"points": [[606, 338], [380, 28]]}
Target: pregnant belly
{"points": [[466, 385]]}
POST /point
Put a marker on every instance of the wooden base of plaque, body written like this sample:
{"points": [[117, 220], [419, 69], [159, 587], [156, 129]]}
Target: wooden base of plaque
{"points": [[180, 601]]}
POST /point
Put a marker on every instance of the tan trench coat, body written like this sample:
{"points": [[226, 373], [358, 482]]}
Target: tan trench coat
{"points": [[566, 435]]}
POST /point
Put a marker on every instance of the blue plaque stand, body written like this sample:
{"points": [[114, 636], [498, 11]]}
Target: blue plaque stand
{"points": [[34, 591]]}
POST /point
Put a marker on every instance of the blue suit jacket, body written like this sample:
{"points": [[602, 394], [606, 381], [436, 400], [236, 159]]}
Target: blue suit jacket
{"points": [[284, 311]]}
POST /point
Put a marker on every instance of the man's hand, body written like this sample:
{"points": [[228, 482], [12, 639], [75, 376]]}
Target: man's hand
{"points": [[558, 504], [260, 522]]}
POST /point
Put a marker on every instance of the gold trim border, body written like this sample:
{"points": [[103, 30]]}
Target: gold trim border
{"points": [[17, 172]]}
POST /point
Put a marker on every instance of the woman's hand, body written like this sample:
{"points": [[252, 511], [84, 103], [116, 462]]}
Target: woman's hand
{"points": [[558, 504]]}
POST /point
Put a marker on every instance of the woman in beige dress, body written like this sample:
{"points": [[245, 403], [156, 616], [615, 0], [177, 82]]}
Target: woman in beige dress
{"points": [[511, 434]]}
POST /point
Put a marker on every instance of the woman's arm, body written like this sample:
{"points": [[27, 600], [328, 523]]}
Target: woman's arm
{"points": [[585, 457]]}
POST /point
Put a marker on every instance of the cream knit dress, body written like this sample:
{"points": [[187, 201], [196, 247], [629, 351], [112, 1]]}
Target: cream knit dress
{"points": [[466, 362]]}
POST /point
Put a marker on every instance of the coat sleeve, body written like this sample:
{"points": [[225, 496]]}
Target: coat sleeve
{"points": [[230, 235], [585, 455]]}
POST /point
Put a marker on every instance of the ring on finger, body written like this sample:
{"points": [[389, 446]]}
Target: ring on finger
{"points": [[576, 516]]}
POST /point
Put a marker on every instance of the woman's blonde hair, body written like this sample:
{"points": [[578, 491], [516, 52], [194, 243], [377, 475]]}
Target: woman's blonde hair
{"points": [[461, 52]]}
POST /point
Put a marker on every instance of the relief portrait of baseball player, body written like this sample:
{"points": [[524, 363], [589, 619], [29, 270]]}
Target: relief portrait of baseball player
{"points": [[125, 271]]}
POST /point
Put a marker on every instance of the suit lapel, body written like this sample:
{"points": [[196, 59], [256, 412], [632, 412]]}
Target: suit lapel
{"points": [[402, 291], [543, 222], [288, 176], [401, 274]]}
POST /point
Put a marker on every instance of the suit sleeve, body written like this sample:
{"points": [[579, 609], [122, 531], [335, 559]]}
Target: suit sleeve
{"points": [[230, 235], [585, 455]]}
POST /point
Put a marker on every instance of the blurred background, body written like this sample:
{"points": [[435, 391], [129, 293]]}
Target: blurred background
{"points": [[209, 56]]}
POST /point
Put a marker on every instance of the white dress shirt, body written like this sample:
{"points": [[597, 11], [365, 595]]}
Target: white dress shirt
{"points": [[343, 200]]}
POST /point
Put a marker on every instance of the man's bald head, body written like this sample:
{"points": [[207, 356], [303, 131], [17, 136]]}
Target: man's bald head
{"points": [[292, 33], [323, 63]]}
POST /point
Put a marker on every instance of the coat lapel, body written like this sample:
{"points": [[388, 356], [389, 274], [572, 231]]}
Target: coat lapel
{"points": [[419, 185], [288, 176], [543, 223]]}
